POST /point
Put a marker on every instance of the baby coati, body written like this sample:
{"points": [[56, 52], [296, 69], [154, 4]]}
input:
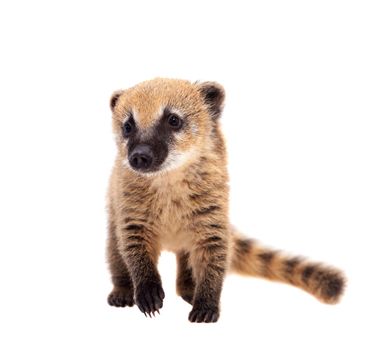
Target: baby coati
{"points": [[169, 191]]}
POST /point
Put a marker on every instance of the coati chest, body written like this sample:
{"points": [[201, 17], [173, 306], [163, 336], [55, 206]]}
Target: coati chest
{"points": [[170, 211], [162, 204]]}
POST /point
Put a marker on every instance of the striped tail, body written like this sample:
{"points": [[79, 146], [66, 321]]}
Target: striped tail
{"points": [[249, 258]]}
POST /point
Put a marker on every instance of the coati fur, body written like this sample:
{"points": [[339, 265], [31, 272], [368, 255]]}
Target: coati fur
{"points": [[169, 191]]}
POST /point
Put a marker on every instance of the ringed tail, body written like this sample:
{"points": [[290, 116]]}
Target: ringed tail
{"points": [[249, 258]]}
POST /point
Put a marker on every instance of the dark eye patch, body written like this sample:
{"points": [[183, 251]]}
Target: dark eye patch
{"points": [[172, 120], [129, 127], [160, 138]]}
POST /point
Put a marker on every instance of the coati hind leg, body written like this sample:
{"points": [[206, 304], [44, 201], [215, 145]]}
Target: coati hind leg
{"points": [[185, 285], [122, 292]]}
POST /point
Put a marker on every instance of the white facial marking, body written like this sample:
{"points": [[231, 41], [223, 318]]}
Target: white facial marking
{"points": [[176, 159], [118, 138], [194, 129], [173, 161], [136, 117], [175, 111]]}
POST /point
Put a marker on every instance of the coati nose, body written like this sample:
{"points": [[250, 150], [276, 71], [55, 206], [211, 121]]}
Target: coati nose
{"points": [[141, 158]]}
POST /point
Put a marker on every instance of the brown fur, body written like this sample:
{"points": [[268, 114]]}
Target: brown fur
{"points": [[185, 210]]}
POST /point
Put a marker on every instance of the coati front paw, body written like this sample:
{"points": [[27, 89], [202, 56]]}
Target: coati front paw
{"points": [[121, 297], [149, 297], [203, 312]]}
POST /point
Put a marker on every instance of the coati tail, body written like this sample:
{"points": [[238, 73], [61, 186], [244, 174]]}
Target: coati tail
{"points": [[249, 258]]}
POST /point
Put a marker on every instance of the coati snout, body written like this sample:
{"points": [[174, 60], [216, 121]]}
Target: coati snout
{"points": [[147, 156], [148, 148], [142, 157]]}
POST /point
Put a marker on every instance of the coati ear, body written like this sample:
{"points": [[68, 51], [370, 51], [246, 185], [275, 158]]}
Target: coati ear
{"points": [[114, 98], [214, 97]]}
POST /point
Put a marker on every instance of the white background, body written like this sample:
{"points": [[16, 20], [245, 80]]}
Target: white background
{"points": [[300, 125]]}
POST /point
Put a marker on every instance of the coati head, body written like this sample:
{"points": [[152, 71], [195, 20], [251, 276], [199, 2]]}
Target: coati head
{"points": [[163, 124]]}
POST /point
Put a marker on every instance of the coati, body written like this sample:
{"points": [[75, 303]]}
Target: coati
{"points": [[169, 190]]}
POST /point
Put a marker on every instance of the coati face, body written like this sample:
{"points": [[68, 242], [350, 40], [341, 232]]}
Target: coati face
{"points": [[163, 124]]}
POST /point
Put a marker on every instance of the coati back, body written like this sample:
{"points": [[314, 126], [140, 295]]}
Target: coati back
{"points": [[169, 190]]}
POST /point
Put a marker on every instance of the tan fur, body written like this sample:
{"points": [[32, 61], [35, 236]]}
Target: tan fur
{"points": [[324, 282], [183, 209]]}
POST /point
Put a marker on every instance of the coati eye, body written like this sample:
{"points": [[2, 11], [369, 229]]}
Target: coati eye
{"points": [[127, 129], [174, 121]]}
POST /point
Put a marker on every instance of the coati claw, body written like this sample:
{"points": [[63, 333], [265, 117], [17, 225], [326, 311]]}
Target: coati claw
{"points": [[204, 314], [149, 297]]}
